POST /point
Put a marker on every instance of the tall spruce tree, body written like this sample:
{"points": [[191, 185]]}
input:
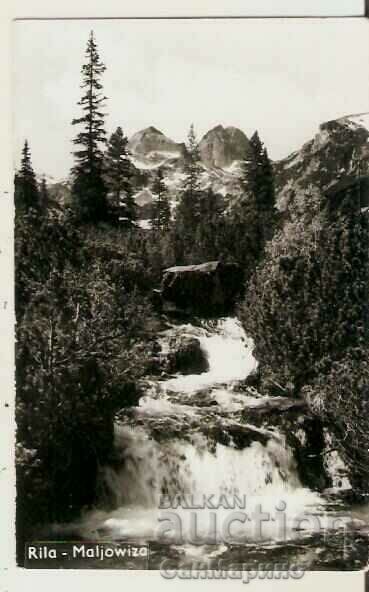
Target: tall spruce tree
{"points": [[192, 167], [89, 190], [210, 229], [259, 180], [118, 175], [26, 188], [44, 194], [252, 221], [258, 172], [161, 209], [188, 210]]}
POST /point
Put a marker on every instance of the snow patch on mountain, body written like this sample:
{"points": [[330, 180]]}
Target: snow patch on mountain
{"points": [[359, 121], [144, 224], [143, 197], [144, 165], [292, 160]]}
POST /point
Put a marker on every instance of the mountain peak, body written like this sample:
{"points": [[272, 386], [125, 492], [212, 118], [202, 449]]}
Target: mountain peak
{"points": [[151, 130], [217, 128], [221, 146], [345, 126], [152, 148]]}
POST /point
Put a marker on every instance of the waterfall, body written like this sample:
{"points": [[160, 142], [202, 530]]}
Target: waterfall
{"points": [[229, 353], [168, 452], [150, 469]]}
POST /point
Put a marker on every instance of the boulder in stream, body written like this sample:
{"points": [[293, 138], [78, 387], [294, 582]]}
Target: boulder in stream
{"points": [[186, 356], [207, 289]]}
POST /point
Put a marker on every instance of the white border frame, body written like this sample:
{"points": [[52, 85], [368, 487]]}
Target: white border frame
{"points": [[81, 580]]}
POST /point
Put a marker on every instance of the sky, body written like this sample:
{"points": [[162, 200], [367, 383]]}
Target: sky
{"points": [[282, 77]]}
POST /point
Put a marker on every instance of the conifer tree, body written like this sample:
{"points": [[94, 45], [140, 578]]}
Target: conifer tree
{"points": [[259, 180], [210, 228], [44, 193], [127, 208], [26, 189], [118, 174], [161, 208], [192, 166], [89, 190], [253, 220], [188, 210]]}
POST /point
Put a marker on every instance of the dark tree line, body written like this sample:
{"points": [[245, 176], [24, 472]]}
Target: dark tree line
{"points": [[206, 228]]}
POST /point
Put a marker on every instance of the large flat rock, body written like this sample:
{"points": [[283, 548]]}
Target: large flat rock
{"points": [[206, 289]]}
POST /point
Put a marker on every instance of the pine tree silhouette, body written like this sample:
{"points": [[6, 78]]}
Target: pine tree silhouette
{"points": [[161, 208], [118, 174], [89, 190], [26, 189]]}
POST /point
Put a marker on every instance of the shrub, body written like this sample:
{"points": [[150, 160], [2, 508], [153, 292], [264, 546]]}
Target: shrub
{"points": [[81, 347], [306, 309], [341, 399], [306, 305]]}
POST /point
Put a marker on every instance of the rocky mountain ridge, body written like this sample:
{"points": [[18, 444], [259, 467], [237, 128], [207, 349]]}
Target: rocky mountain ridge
{"points": [[150, 148], [340, 149], [336, 152], [333, 154], [220, 147]]}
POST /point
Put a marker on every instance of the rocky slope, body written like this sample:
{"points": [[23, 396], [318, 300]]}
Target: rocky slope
{"points": [[333, 154]]}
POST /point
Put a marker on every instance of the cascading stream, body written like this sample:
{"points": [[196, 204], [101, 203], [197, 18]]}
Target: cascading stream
{"points": [[168, 452], [229, 354]]}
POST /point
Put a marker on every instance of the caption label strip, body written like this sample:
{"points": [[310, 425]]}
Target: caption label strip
{"points": [[69, 555]]}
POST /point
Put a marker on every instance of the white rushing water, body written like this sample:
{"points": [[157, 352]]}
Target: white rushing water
{"points": [[229, 353], [183, 461], [259, 475]]}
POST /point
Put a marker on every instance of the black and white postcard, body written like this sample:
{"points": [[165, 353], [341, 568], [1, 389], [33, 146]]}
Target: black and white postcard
{"points": [[191, 251]]}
